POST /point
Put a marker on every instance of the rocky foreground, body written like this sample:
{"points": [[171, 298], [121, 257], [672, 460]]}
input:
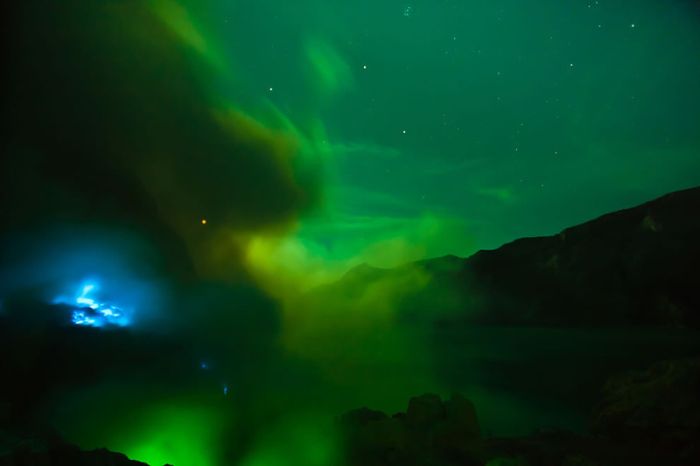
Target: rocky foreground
{"points": [[649, 417], [24, 453]]}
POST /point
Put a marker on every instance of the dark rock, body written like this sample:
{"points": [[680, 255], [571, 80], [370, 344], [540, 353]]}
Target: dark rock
{"points": [[634, 266], [374, 438], [431, 432], [658, 407], [363, 416], [424, 411], [43, 447], [505, 461], [458, 434], [647, 418], [67, 456], [461, 413]]}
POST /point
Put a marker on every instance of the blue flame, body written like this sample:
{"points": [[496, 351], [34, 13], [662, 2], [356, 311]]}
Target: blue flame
{"points": [[89, 312]]}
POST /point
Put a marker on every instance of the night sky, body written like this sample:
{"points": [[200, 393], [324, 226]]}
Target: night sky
{"points": [[457, 125], [201, 165]]}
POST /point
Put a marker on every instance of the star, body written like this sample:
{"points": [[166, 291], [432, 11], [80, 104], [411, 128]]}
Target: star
{"points": [[364, 67], [204, 221], [403, 131]]}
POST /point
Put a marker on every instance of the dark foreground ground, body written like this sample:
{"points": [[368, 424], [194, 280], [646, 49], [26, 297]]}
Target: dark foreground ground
{"points": [[649, 417]]}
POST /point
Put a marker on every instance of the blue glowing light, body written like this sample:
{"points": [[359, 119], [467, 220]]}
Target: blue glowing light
{"points": [[89, 312], [225, 390]]}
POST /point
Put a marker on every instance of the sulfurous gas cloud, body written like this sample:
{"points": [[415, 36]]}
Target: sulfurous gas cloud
{"points": [[130, 189]]}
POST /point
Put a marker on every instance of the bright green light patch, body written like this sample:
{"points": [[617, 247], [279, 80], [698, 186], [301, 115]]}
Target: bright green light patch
{"points": [[174, 434], [297, 442]]}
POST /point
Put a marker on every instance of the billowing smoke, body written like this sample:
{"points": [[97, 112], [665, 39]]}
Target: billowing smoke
{"points": [[130, 188]]}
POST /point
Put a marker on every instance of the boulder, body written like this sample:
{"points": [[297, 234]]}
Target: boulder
{"points": [[658, 407], [431, 432]]}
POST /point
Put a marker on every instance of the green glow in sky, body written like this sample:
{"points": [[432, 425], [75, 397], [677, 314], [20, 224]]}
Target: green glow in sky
{"points": [[520, 118]]}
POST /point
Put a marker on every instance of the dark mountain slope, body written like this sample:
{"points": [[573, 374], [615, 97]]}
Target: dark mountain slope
{"points": [[639, 266], [635, 266]]}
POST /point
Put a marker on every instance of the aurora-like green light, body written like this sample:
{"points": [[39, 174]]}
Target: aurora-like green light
{"points": [[330, 70]]}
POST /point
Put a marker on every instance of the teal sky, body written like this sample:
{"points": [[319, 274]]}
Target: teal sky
{"points": [[496, 119]]}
